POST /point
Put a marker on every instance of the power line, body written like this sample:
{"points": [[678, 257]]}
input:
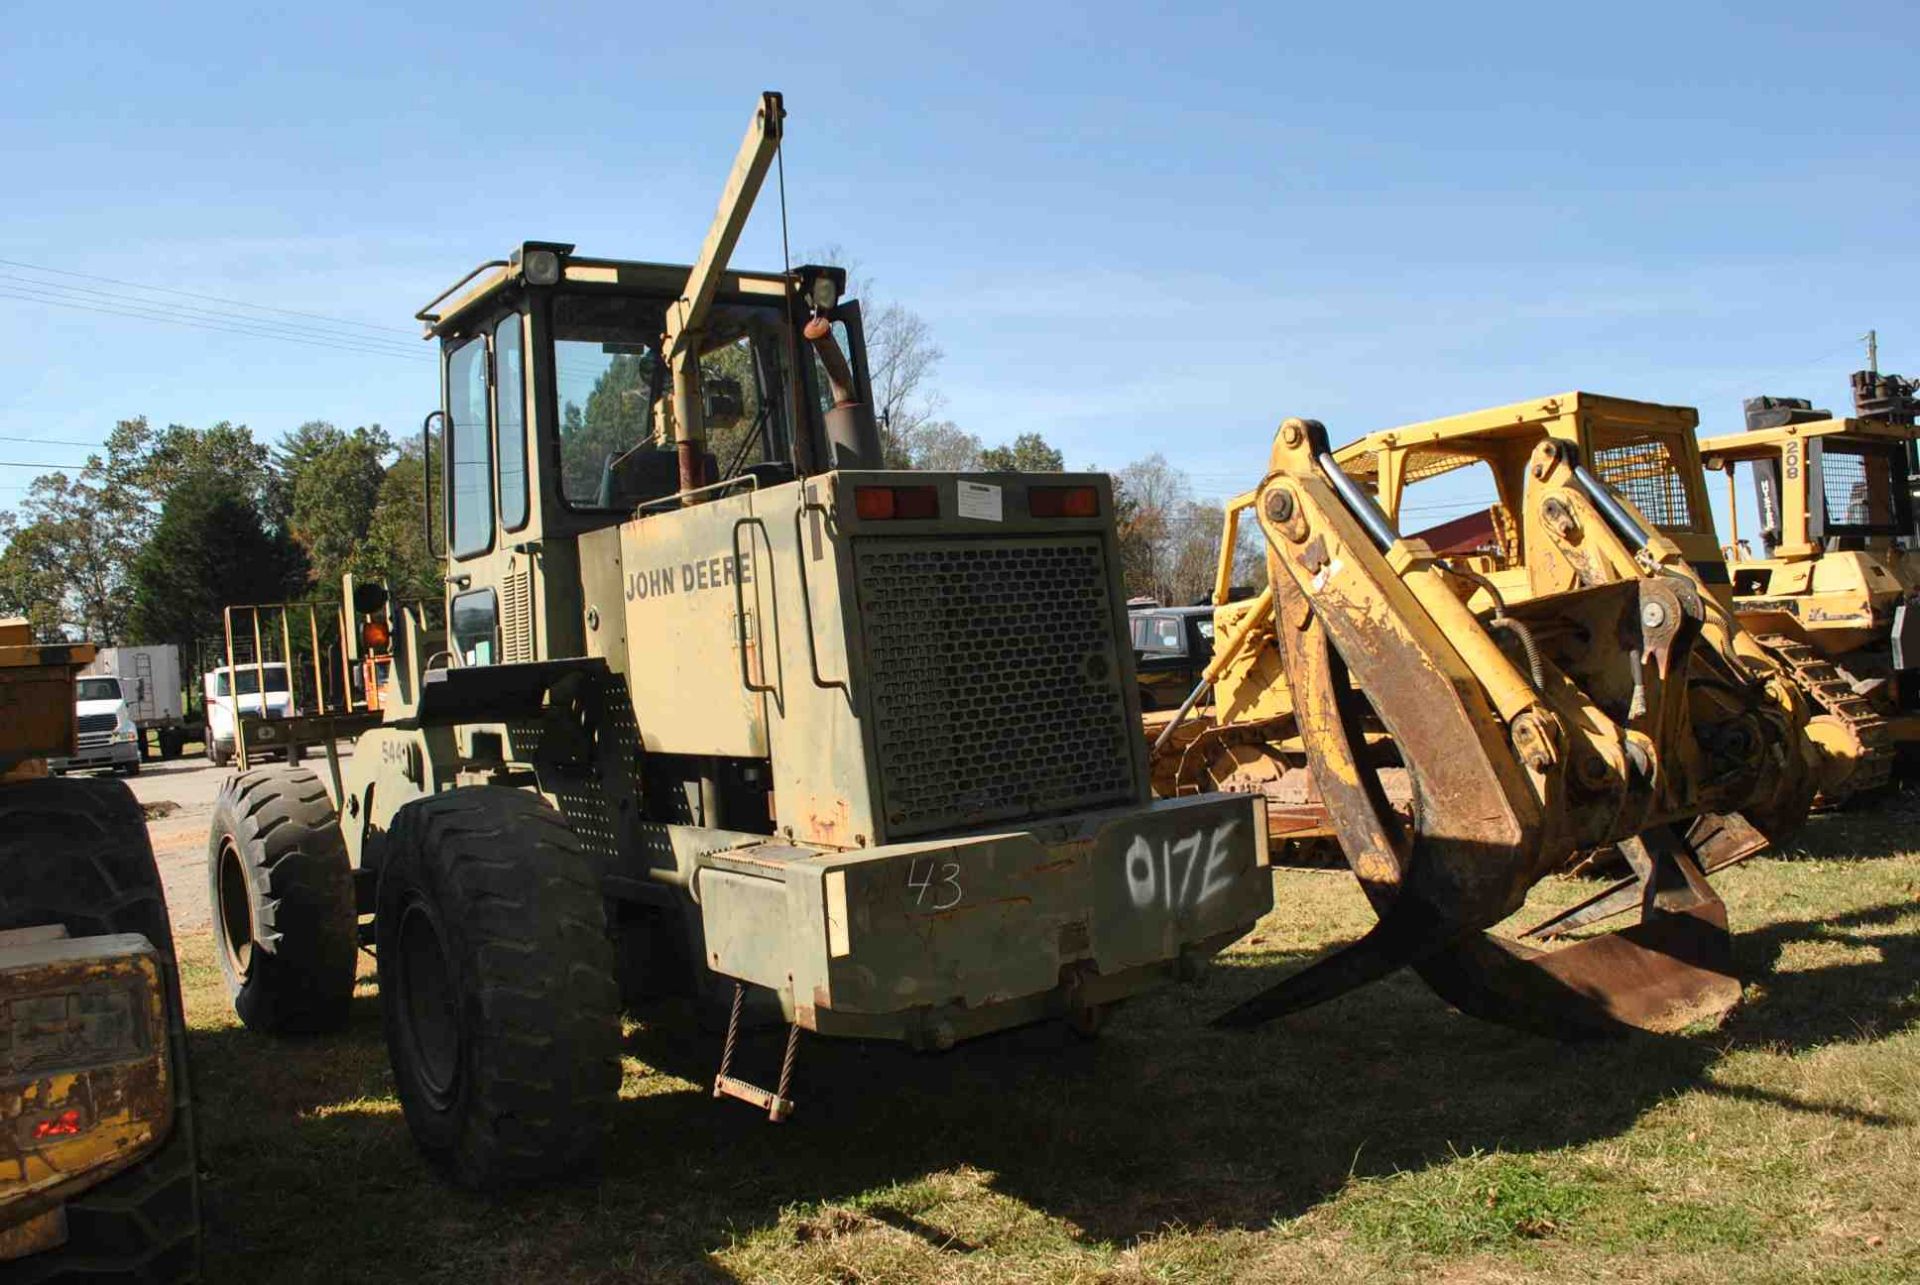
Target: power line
{"points": [[188, 294], [53, 291], [55, 467], [308, 341], [50, 441]]}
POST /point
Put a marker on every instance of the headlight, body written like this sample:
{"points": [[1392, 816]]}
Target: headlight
{"points": [[541, 267]]}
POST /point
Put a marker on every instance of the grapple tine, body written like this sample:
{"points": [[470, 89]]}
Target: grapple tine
{"points": [[1670, 970], [1617, 899], [1406, 934]]}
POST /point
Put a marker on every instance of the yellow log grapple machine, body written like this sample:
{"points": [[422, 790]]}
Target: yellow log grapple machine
{"points": [[1469, 710]]}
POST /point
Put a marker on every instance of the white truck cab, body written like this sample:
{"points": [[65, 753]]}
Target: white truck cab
{"points": [[108, 737], [223, 690]]}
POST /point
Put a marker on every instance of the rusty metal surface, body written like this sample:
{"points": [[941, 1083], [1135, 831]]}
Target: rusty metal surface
{"points": [[1608, 706], [86, 1085]]}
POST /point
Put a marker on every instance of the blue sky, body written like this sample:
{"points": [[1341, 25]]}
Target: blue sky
{"points": [[1131, 227]]}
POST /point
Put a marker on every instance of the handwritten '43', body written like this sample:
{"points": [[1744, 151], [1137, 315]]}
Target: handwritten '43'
{"points": [[1181, 872]]}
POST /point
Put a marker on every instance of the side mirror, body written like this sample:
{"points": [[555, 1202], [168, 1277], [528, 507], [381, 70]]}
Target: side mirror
{"points": [[722, 399]]}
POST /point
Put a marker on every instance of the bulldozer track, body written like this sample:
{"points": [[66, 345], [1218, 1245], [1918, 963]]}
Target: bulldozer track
{"points": [[1829, 688]]}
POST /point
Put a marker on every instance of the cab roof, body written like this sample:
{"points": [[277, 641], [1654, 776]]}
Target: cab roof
{"points": [[497, 276]]}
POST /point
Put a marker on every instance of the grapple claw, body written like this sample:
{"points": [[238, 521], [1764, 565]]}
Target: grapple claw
{"points": [[1510, 769]]}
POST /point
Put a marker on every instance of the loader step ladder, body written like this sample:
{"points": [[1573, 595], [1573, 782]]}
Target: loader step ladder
{"points": [[775, 1103]]}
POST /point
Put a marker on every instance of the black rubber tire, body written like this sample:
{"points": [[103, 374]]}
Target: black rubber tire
{"points": [[171, 744], [497, 987], [75, 852], [277, 872], [215, 755], [127, 769]]}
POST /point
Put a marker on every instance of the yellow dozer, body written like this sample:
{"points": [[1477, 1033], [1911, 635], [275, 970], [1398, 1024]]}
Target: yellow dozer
{"points": [[1829, 579], [1467, 711]]}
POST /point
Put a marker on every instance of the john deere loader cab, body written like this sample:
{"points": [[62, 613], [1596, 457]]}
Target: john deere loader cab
{"points": [[721, 706]]}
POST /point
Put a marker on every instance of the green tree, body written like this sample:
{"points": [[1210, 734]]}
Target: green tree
{"points": [[617, 415], [67, 553], [1027, 453], [209, 550], [395, 548], [333, 481]]}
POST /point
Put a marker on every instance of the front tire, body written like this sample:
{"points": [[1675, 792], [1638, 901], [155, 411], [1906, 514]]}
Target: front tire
{"points": [[76, 853], [281, 887], [497, 987]]}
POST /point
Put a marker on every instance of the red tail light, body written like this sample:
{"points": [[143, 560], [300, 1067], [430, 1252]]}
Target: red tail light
{"points": [[1063, 501], [64, 1125], [884, 503], [374, 635]]}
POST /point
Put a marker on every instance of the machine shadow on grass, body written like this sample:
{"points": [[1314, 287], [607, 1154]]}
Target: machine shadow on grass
{"points": [[1160, 1121]]}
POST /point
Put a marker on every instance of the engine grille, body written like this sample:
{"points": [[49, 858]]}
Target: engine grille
{"points": [[996, 689], [98, 722]]}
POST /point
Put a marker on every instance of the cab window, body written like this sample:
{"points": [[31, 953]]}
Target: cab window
{"points": [[612, 396], [469, 468], [1859, 488], [1645, 468], [510, 415]]}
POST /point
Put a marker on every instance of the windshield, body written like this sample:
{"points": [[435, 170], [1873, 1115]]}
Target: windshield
{"points": [[1159, 634], [612, 396], [97, 689], [250, 681]]}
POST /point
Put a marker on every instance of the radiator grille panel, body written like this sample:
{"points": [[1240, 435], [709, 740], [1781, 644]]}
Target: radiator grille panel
{"points": [[996, 688], [98, 722]]}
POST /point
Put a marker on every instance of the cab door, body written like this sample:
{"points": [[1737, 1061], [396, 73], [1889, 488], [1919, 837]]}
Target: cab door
{"points": [[491, 559]]}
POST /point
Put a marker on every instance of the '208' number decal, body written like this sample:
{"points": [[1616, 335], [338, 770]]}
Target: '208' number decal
{"points": [[1181, 873]]}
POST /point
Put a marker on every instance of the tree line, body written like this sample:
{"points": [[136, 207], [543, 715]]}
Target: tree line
{"points": [[166, 527]]}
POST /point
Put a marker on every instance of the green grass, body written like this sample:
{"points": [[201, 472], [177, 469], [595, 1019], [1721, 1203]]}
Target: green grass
{"points": [[1383, 1137]]}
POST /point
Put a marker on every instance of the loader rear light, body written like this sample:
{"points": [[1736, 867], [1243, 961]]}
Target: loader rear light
{"points": [[888, 503], [1063, 502], [374, 635], [64, 1125]]}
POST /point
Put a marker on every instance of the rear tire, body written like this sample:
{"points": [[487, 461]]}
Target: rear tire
{"points": [[76, 853], [281, 888], [497, 987]]}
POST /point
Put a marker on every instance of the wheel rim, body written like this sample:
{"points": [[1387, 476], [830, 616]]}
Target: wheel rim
{"points": [[236, 910], [427, 1003]]}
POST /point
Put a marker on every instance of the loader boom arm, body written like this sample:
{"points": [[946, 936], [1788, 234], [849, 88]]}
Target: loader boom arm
{"points": [[688, 317]]}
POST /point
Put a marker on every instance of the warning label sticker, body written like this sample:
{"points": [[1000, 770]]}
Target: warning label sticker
{"points": [[979, 501]]}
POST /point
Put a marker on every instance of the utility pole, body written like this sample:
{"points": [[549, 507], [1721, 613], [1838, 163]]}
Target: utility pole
{"points": [[1873, 350]]}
